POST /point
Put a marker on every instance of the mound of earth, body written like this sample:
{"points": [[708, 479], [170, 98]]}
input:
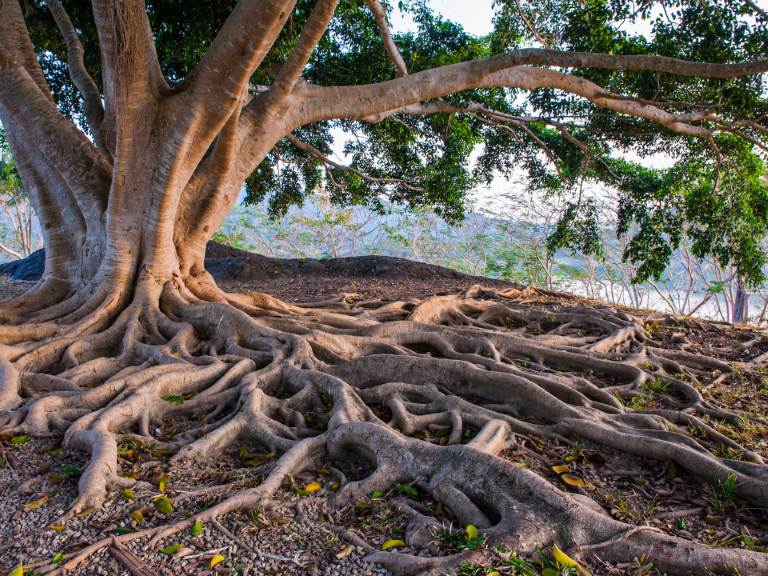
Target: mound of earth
{"points": [[227, 264], [27, 269]]}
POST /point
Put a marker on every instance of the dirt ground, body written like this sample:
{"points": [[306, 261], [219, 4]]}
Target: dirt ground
{"points": [[38, 480]]}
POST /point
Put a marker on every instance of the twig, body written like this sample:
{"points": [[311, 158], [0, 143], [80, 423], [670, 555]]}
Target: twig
{"points": [[624, 535], [216, 524], [134, 564]]}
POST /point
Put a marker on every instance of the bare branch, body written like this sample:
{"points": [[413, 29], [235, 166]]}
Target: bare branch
{"points": [[94, 110], [381, 21], [328, 162], [530, 26], [528, 131]]}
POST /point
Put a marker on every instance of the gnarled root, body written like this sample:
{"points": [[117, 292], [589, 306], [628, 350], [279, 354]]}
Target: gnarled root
{"points": [[326, 380]]}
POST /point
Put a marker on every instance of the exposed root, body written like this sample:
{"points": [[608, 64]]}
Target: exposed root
{"points": [[325, 380]]}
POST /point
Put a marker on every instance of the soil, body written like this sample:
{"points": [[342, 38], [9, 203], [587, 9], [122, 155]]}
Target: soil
{"points": [[38, 480]]}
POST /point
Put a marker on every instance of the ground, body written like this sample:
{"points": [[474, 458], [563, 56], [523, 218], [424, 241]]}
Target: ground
{"points": [[38, 480]]}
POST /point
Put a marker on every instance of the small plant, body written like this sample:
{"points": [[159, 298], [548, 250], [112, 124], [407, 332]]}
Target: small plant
{"points": [[456, 540], [641, 402], [563, 367], [721, 493], [173, 398], [327, 398], [652, 505], [657, 386]]}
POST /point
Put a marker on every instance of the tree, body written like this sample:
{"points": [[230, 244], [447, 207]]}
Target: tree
{"points": [[183, 103], [16, 206]]}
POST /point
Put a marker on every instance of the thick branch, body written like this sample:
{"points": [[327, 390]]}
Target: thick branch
{"points": [[292, 68], [367, 100], [381, 21], [94, 110], [67, 149]]}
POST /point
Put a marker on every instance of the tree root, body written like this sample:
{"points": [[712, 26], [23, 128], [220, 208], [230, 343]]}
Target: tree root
{"points": [[330, 379]]}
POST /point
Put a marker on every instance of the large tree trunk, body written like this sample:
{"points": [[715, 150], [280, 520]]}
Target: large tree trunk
{"points": [[126, 314]]}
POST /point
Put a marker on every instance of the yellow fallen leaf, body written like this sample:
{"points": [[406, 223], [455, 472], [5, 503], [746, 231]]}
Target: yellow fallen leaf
{"points": [[572, 480], [493, 574], [216, 560], [335, 486], [569, 562], [561, 469], [18, 571], [322, 471], [128, 494], [138, 516], [85, 512], [36, 504], [392, 544], [471, 532], [58, 528], [312, 487], [565, 560]]}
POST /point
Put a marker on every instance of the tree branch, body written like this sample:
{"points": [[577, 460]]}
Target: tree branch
{"points": [[328, 162], [367, 100], [238, 49], [66, 148], [389, 45], [290, 72], [94, 110]]}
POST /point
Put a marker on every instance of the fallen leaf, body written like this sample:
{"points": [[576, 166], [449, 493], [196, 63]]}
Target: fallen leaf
{"points": [[471, 532], [19, 439], [58, 528], [335, 486], [171, 549], [671, 469], [18, 571], [344, 553], [58, 558], [377, 495], [197, 529], [138, 516], [322, 471], [561, 469], [216, 560], [36, 504], [163, 504], [392, 544], [565, 560], [312, 487], [128, 494], [85, 512]]}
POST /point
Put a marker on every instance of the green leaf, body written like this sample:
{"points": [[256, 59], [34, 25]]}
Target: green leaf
{"points": [[163, 504], [197, 529], [128, 494], [377, 495], [173, 398], [58, 558], [19, 439], [171, 549], [123, 531]]}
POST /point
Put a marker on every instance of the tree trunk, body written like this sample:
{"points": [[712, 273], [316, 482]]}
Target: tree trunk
{"points": [[741, 302]]}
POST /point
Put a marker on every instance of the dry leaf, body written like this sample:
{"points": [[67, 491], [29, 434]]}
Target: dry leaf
{"points": [[344, 553], [392, 544]]}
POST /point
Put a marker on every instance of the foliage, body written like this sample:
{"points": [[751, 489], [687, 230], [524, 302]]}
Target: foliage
{"points": [[713, 195]]}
